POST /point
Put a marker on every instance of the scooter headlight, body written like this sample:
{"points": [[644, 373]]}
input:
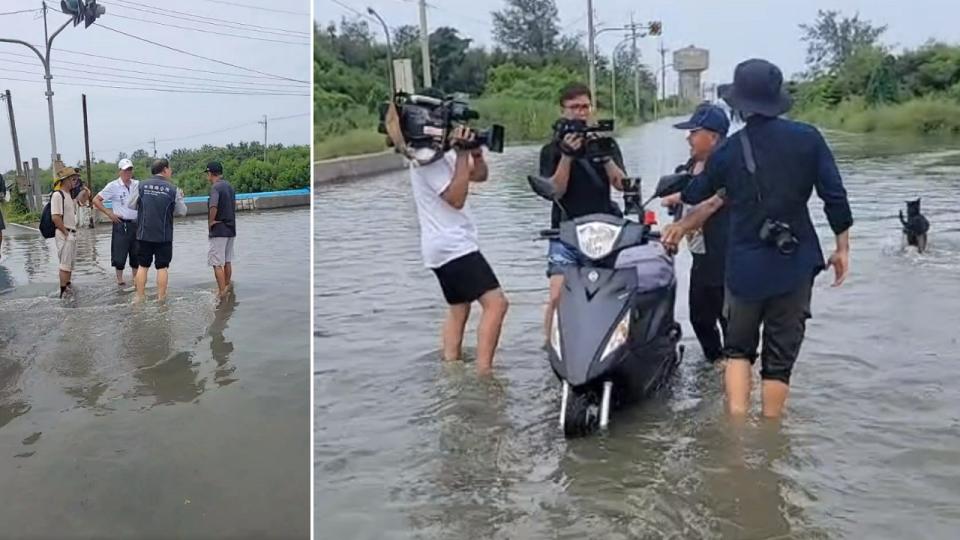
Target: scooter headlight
{"points": [[596, 239], [618, 337], [555, 335]]}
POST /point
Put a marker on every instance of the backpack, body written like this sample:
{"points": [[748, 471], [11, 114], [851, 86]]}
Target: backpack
{"points": [[47, 228]]}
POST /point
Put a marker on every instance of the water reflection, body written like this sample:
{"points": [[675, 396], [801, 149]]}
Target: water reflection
{"points": [[220, 348]]}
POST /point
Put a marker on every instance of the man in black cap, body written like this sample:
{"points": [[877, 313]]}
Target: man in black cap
{"points": [[222, 226], [769, 170], [708, 128]]}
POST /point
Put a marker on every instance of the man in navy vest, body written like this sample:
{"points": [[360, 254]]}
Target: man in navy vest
{"points": [[156, 201]]}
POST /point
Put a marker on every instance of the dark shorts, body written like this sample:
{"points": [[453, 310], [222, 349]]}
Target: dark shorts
{"points": [[146, 251], [784, 321], [465, 279], [123, 245]]}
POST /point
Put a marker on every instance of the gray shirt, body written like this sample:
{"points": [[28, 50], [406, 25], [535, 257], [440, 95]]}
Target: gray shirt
{"points": [[224, 199]]}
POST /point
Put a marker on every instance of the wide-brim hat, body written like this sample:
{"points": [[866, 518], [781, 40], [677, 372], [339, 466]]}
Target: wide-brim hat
{"points": [[757, 88], [66, 172]]}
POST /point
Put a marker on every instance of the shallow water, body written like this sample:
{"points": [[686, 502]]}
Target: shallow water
{"points": [[186, 419], [407, 447]]}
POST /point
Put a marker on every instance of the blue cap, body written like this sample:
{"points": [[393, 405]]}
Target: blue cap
{"points": [[707, 116]]}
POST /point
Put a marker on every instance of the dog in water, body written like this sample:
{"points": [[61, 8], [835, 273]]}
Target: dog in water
{"points": [[915, 226]]}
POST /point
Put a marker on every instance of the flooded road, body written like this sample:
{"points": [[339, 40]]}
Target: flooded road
{"points": [[409, 448], [182, 420]]}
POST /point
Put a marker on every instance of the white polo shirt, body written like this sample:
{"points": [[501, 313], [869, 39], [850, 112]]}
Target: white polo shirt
{"points": [[118, 194]]}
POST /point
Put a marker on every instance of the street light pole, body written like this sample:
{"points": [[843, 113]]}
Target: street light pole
{"points": [[386, 33], [591, 52], [425, 45]]}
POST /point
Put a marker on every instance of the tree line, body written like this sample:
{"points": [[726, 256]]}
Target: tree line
{"points": [[530, 61], [850, 69]]}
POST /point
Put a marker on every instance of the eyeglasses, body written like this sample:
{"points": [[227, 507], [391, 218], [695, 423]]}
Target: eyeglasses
{"points": [[579, 107]]}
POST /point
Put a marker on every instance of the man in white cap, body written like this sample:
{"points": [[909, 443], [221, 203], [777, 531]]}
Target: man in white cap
{"points": [[123, 243]]}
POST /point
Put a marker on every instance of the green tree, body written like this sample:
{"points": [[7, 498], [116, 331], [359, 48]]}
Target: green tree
{"points": [[832, 39], [528, 27]]}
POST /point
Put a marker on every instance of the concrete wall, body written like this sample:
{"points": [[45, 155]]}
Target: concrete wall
{"points": [[340, 169]]}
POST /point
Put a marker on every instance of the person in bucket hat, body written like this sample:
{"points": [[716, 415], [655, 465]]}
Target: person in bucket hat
{"points": [[768, 170], [707, 129]]}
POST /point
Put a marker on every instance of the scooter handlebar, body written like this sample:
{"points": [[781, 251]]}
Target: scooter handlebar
{"points": [[549, 234]]}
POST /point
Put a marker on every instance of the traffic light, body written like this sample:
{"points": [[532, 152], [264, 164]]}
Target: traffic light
{"points": [[656, 28], [82, 10]]}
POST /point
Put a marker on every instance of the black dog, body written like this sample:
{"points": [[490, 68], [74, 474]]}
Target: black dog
{"points": [[915, 226]]}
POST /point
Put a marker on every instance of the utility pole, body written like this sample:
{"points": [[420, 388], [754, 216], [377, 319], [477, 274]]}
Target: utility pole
{"points": [[636, 68], [13, 132], [425, 45], [86, 145], [264, 122], [663, 70], [154, 143], [591, 52]]}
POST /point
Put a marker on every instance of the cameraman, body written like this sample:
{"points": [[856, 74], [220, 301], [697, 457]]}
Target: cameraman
{"points": [[769, 170], [448, 241], [582, 185]]}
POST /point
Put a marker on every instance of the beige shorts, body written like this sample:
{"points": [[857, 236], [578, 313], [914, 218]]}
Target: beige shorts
{"points": [[221, 251], [66, 250]]}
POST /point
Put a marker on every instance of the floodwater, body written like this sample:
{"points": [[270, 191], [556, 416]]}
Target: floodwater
{"points": [[182, 420], [407, 447]]}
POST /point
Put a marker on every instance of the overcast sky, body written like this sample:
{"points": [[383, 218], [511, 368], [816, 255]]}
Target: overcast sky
{"points": [[732, 30], [119, 119]]}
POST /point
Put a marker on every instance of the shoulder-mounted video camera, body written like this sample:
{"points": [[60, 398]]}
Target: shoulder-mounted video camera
{"points": [[414, 122], [597, 139]]}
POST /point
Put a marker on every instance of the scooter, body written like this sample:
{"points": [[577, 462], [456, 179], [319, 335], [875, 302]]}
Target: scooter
{"points": [[614, 339]]}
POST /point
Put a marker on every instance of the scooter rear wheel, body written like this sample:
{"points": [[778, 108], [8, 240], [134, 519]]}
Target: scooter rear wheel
{"points": [[582, 417]]}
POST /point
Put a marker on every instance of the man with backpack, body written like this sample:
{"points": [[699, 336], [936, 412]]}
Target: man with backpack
{"points": [[156, 201], [63, 214]]}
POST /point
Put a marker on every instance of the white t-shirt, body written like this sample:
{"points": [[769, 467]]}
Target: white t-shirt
{"points": [[445, 232], [117, 194], [65, 207]]}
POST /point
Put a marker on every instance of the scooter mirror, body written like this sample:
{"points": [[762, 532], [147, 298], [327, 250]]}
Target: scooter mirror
{"points": [[542, 187], [672, 183]]}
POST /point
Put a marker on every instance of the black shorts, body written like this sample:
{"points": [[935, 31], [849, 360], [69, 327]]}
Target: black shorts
{"points": [[466, 279], [146, 251], [784, 321], [123, 245]]}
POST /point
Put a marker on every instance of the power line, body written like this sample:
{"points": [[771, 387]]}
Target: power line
{"points": [[156, 77], [248, 6], [181, 51], [163, 84], [222, 22], [251, 92], [165, 66], [170, 25], [18, 12]]}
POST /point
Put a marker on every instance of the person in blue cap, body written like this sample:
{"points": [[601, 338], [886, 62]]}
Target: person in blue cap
{"points": [[769, 171], [707, 128]]}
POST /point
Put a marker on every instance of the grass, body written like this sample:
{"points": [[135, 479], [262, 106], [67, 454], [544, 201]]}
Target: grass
{"points": [[922, 116], [351, 143], [524, 121], [12, 215]]}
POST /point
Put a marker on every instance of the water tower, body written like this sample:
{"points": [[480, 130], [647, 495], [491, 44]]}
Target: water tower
{"points": [[689, 63]]}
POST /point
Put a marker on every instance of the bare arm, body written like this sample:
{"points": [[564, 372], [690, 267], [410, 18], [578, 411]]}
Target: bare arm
{"points": [[211, 217], [180, 209], [615, 174], [456, 193], [479, 173], [699, 214], [98, 204]]}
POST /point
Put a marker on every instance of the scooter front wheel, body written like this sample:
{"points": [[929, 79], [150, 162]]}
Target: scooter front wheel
{"points": [[582, 414]]}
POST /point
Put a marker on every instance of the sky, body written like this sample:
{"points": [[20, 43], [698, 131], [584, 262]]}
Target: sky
{"points": [[732, 30], [122, 120]]}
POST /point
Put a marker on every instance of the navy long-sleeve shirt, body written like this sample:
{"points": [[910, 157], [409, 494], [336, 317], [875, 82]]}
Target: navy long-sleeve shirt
{"points": [[792, 159]]}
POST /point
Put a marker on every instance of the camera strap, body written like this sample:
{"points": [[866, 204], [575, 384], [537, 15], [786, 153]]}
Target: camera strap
{"points": [[752, 167]]}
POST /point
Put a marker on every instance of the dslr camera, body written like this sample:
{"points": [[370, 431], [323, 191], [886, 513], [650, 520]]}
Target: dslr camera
{"points": [[428, 122], [780, 235], [597, 140]]}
